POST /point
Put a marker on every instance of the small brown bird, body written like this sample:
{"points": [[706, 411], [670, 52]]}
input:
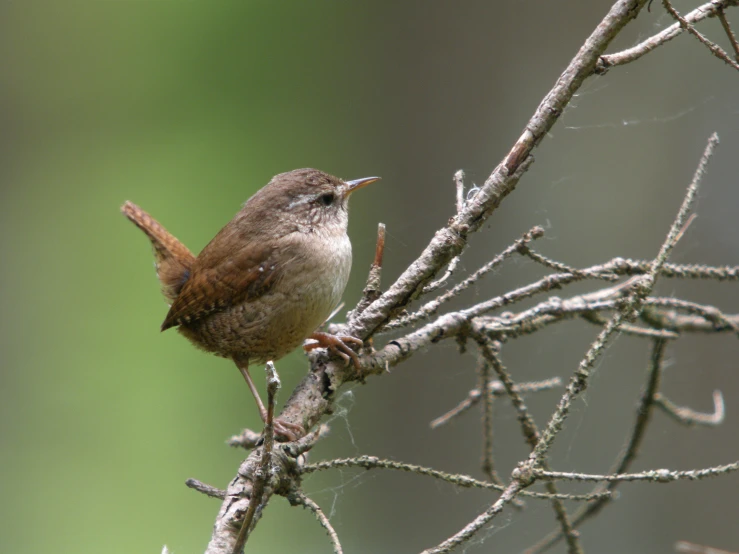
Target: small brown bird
{"points": [[267, 280]]}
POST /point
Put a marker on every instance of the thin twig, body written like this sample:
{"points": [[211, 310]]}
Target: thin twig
{"points": [[441, 281], [450, 240], [297, 498], [687, 416], [435, 285], [247, 439], [729, 32], [495, 388], [315, 395], [273, 385], [489, 349], [714, 315], [715, 49], [629, 453], [629, 329], [372, 290], [488, 463], [479, 522], [459, 480], [653, 475], [629, 311], [673, 321], [432, 307], [562, 268], [206, 489], [709, 9], [691, 548]]}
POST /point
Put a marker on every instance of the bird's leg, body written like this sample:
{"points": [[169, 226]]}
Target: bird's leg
{"points": [[291, 431], [337, 344]]}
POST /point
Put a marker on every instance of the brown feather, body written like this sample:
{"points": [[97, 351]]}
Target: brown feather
{"points": [[217, 283], [173, 259]]}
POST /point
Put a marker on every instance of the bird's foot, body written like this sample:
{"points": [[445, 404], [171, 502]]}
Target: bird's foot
{"points": [[290, 431], [336, 344]]}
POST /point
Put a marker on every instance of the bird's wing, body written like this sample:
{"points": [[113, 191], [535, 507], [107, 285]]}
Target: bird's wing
{"points": [[217, 282]]}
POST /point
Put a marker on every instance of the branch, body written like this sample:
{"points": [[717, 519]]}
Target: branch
{"points": [[495, 388], [450, 240], [715, 49], [686, 416], [729, 32], [430, 308], [709, 9], [273, 384], [653, 475], [628, 455], [456, 479], [297, 498], [629, 311], [315, 395]]}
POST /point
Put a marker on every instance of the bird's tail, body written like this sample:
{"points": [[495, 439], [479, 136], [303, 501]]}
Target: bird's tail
{"points": [[173, 259]]}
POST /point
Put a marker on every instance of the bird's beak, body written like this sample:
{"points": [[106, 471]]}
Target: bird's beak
{"points": [[357, 184]]}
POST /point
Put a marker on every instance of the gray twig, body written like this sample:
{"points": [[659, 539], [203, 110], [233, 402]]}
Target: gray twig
{"points": [[488, 462], [315, 395], [489, 351], [273, 385], [729, 32], [297, 498], [479, 522], [687, 416], [206, 489], [456, 479], [495, 388], [692, 548], [715, 49], [433, 306], [629, 311], [247, 439], [629, 453], [709, 9], [653, 475]]}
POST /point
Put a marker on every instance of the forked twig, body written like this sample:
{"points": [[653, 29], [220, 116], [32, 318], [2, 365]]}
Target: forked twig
{"points": [[273, 385], [715, 49], [456, 479], [707, 10], [628, 454], [315, 396], [433, 306], [495, 388], [297, 498]]}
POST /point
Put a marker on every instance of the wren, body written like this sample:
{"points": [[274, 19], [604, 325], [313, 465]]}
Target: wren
{"points": [[267, 280]]}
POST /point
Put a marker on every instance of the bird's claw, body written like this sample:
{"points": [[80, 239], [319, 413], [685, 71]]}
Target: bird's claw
{"points": [[291, 431], [336, 344]]}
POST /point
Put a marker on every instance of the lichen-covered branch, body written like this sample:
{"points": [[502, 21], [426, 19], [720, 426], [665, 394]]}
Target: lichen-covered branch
{"points": [[627, 306]]}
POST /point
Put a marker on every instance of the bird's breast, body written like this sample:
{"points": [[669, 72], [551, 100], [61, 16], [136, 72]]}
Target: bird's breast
{"points": [[311, 285]]}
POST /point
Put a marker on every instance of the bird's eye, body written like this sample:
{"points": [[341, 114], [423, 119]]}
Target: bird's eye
{"points": [[327, 199]]}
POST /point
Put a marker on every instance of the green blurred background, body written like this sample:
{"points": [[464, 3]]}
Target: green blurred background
{"points": [[187, 108]]}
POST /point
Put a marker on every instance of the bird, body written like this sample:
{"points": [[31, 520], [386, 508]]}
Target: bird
{"points": [[268, 280]]}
